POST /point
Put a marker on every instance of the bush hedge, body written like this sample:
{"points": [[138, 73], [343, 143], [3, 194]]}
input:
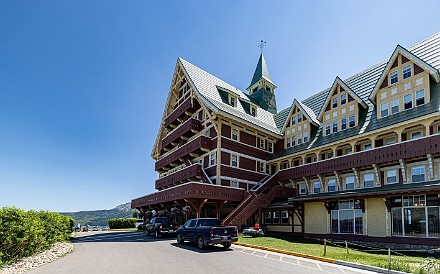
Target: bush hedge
{"points": [[122, 223], [23, 233]]}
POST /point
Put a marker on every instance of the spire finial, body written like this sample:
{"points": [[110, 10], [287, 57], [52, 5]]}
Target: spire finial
{"points": [[261, 46]]}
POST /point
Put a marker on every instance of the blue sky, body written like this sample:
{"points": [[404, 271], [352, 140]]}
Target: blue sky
{"points": [[83, 84]]}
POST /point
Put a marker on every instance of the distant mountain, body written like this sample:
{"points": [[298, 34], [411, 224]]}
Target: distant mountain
{"points": [[101, 217]]}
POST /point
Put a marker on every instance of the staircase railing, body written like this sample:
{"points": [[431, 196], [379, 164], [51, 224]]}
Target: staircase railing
{"points": [[249, 197]]}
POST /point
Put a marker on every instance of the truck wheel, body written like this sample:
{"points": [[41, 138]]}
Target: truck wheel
{"points": [[179, 239], [226, 245], [157, 234], [200, 242]]}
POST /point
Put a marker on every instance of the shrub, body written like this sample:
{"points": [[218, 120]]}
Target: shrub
{"points": [[122, 223], [23, 233]]}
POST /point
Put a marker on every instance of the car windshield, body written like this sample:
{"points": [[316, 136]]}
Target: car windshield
{"points": [[209, 222], [162, 220]]}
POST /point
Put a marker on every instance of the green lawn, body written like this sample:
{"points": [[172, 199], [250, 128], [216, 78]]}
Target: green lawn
{"points": [[408, 263]]}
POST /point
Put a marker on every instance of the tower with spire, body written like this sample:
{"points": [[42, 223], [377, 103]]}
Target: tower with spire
{"points": [[262, 89]]}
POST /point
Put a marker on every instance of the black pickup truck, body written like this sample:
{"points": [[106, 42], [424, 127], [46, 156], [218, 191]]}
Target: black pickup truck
{"points": [[159, 226], [207, 231]]}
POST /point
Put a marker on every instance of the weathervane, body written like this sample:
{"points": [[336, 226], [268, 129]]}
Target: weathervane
{"points": [[261, 46]]}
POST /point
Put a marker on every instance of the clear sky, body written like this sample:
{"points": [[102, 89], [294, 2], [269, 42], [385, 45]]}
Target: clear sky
{"points": [[83, 84]]}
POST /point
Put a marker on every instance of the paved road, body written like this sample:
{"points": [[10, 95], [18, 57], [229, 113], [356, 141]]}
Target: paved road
{"points": [[133, 252]]}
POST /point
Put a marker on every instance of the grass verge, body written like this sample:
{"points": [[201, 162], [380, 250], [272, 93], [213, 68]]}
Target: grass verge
{"points": [[123, 229], [410, 262]]}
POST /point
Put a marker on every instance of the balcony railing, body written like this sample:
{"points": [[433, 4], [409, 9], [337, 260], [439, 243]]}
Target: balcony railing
{"points": [[188, 151], [190, 190], [187, 129], [187, 105], [390, 153], [193, 171]]}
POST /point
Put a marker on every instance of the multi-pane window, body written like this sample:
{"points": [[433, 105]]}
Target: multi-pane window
{"points": [[334, 102], [331, 185], [300, 138], [232, 101], [394, 106], [406, 72], [394, 77], [384, 110], [347, 217], [317, 187], [284, 217], [368, 180], [253, 111], [408, 101], [349, 182], [261, 167], [234, 134], [344, 123], [267, 217], [306, 137], [416, 135], [234, 160], [391, 176], [276, 217], [390, 140], [302, 188], [420, 97], [417, 174], [234, 183], [335, 126], [293, 120], [351, 121], [287, 142], [270, 146], [293, 140], [212, 158], [262, 143], [300, 117], [343, 98], [327, 129]]}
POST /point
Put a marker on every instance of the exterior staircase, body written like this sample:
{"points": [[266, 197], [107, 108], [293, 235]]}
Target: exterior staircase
{"points": [[258, 197]]}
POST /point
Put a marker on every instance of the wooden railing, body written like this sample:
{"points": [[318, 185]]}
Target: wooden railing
{"points": [[193, 171], [188, 128], [187, 105]]}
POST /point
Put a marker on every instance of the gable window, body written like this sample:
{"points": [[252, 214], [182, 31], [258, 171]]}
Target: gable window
{"points": [[212, 158], [408, 101], [334, 102], [262, 143], [293, 140], [391, 176], [343, 98], [232, 101], [234, 184], [417, 174], [335, 126], [344, 123], [317, 187], [300, 138], [384, 110], [394, 77], [253, 111], [327, 129], [234, 134], [331, 185], [270, 146], [302, 188], [368, 180], [287, 142], [234, 160], [300, 117], [349, 182], [306, 137], [395, 106], [351, 121], [406, 72], [420, 97], [293, 120]]}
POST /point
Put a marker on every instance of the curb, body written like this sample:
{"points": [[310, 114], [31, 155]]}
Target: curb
{"points": [[322, 259]]}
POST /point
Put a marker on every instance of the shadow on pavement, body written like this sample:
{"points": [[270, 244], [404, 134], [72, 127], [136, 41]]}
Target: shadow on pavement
{"points": [[207, 249], [130, 236]]}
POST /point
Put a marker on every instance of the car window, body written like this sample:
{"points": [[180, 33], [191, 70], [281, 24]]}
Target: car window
{"points": [[152, 221], [192, 223], [162, 220], [209, 222], [187, 223]]}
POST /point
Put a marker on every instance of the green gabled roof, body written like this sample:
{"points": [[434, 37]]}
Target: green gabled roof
{"points": [[265, 99], [261, 71]]}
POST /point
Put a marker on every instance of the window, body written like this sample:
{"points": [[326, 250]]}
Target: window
{"points": [[406, 72], [253, 111], [261, 167], [347, 151], [317, 187], [284, 217], [300, 117], [390, 140], [394, 77], [418, 174], [384, 110], [276, 217], [327, 129], [302, 188], [234, 183], [300, 138], [394, 106], [407, 101], [293, 120], [234, 160], [343, 98], [351, 121], [346, 217], [334, 102], [212, 158], [420, 97], [267, 217], [349, 182], [232, 101], [293, 140], [416, 135], [287, 142], [368, 180], [335, 126], [366, 146], [270, 146], [344, 123], [234, 134], [331, 185], [306, 137], [391, 176], [262, 143]]}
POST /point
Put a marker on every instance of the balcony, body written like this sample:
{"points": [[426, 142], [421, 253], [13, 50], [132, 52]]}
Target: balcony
{"points": [[187, 129], [188, 151], [187, 107], [190, 190], [391, 153], [188, 173]]}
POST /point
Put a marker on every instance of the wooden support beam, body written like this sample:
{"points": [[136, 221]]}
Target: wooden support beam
{"points": [[404, 171], [430, 166], [197, 205], [356, 177], [338, 180], [218, 206], [377, 174]]}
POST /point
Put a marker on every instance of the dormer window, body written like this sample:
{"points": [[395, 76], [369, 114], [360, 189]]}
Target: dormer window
{"points": [[351, 121], [300, 117], [335, 126], [394, 77], [343, 99], [335, 102], [293, 120], [232, 101], [406, 72], [327, 129], [253, 111]]}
